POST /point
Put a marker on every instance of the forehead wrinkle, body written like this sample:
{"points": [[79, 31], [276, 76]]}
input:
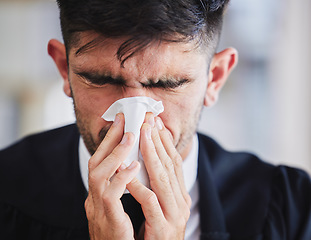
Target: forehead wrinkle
{"points": [[154, 70], [154, 63], [89, 40]]}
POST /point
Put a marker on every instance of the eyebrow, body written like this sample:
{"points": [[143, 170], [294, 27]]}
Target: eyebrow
{"points": [[102, 79]]}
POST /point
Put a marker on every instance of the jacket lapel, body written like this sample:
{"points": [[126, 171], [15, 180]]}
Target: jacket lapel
{"points": [[212, 219]]}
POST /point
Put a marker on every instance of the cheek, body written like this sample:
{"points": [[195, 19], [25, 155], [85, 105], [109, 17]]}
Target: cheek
{"points": [[180, 111], [94, 101], [174, 114], [91, 104]]}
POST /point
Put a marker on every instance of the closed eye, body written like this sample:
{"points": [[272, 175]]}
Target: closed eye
{"points": [[165, 84], [100, 80]]}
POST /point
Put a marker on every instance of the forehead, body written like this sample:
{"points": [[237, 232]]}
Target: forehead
{"points": [[95, 53]]}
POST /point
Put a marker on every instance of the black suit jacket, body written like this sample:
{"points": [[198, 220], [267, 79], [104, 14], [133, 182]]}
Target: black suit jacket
{"points": [[241, 197]]}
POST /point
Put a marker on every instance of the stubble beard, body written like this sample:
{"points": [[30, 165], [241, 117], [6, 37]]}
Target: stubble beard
{"points": [[186, 136], [85, 132], [184, 140]]}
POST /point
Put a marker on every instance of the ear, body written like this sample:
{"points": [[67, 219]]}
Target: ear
{"points": [[57, 51], [221, 66]]}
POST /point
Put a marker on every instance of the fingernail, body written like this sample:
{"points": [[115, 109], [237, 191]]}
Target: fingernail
{"points": [[133, 165], [122, 167], [116, 120], [151, 121], [159, 124], [124, 139], [148, 133]]}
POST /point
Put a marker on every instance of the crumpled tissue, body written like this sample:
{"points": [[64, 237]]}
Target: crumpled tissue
{"points": [[134, 110]]}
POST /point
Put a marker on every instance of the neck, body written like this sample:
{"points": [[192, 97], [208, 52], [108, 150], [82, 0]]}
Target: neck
{"points": [[185, 152]]}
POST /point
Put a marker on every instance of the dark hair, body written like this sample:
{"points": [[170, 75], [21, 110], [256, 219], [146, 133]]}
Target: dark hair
{"points": [[143, 21]]}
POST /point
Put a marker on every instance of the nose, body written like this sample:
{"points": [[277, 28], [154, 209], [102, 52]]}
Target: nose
{"points": [[135, 92]]}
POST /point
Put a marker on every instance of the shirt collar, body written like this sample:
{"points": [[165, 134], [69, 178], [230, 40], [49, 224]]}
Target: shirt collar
{"points": [[190, 164]]}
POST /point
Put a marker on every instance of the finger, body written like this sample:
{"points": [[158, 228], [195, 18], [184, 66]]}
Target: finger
{"points": [[111, 197], [173, 154], [159, 180], [160, 149], [122, 178], [99, 178], [148, 201], [149, 118], [168, 164], [111, 140]]}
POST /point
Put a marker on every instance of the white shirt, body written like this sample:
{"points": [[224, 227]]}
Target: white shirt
{"points": [[190, 167]]}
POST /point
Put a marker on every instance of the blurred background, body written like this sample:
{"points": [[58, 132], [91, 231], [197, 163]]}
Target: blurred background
{"points": [[264, 108]]}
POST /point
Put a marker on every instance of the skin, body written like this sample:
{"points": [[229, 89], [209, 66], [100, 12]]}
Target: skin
{"points": [[165, 140]]}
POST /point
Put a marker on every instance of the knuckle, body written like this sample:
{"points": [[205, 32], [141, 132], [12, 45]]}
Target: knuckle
{"points": [[169, 164], [106, 199], [88, 207], [92, 178], [187, 214], [188, 200], [151, 198], [182, 220], [114, 154], [97, 183], [156, 136], [177, 160], [135, 181], [163, 177], [160, 179], [87, 204], [91, 164], [119, 177]]}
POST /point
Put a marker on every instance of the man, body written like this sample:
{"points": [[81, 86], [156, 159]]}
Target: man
{"points": [[164, 50]]}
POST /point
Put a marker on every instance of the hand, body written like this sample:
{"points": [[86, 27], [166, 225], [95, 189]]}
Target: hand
{"points": [[107, 181], [167, 206]]}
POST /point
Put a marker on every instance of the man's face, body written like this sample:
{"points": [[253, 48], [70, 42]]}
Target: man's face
{"points": [[175, 73]]}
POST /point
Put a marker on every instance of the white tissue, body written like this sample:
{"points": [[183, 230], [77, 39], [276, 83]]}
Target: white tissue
{"points": [[134, 110]]}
